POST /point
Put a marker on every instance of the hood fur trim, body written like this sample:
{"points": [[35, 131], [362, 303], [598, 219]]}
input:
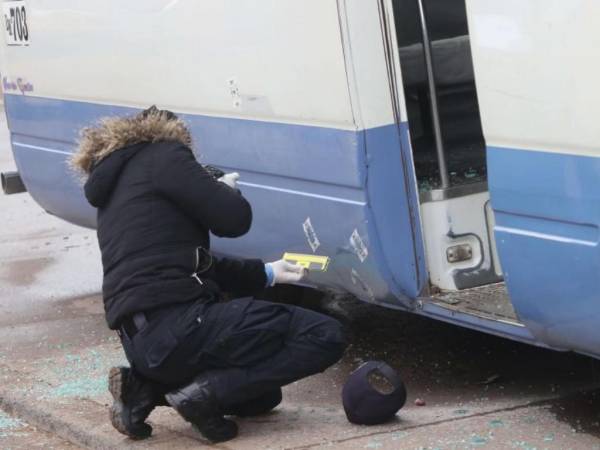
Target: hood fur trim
{"points": [[114, 133]]}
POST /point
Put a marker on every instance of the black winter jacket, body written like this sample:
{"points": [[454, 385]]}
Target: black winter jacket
{"points": [[156, 206]]}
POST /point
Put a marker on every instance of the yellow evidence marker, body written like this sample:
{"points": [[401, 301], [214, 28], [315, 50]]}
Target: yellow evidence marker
{"points": [[310, 262]]}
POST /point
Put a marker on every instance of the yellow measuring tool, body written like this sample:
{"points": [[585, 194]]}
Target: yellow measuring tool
{"points": [[310, 262]]}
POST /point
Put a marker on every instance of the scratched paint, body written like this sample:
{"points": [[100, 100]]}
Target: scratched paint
{"points": [[358, 281], [234, 92]]}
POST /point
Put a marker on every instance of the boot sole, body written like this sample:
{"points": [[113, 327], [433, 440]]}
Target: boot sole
{"points": [[116, 387]]}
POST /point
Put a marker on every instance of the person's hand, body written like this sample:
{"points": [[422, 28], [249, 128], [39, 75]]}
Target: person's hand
{"points": [[230, 179], [286, 272]]}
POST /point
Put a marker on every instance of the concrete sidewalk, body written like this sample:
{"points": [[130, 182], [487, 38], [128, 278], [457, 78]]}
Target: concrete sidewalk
{"points": [[54, 377], [18, 435]]}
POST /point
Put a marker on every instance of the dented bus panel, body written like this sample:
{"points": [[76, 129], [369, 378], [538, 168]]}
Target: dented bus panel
{"points": [[409, 152]]}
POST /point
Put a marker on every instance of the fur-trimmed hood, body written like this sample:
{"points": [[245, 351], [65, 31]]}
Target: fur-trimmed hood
{"points": [[106, 149], [116, 133]]}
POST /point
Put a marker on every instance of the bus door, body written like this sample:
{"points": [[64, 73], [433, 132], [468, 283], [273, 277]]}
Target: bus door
{"points": [[539, 101]]}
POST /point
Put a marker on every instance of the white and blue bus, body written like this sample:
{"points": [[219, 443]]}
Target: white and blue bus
{"points": [[443, 156]]}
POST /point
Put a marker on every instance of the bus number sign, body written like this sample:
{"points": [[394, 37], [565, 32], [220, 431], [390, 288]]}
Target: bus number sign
{"points": [[15, 23]]}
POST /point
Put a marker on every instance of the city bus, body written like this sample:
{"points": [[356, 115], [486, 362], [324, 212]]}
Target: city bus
{"points": [[434, 156]]}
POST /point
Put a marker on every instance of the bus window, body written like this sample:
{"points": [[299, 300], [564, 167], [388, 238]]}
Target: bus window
{"points": [[460, 144]]}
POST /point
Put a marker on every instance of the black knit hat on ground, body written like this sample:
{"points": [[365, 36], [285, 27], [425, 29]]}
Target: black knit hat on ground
{"points": [[363, 403]]}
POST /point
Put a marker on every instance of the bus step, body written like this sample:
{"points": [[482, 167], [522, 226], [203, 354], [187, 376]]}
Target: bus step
{"points": [[490, 301]]}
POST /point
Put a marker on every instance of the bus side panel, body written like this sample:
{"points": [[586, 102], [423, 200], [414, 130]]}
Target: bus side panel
{"points": [[284, 206], [537, 87]]}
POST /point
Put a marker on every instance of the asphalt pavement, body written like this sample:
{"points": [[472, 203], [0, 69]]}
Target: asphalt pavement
{"points": [[475, 390]]}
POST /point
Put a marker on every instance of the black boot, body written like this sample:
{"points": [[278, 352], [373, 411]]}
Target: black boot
{"points": [[257, 406], [197, 403], [134, 400]]}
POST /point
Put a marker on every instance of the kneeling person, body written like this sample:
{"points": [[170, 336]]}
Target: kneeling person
{"points": [[163, 289]]}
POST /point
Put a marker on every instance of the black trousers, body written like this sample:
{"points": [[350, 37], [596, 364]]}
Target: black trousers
{"points": [[246, 347]]}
